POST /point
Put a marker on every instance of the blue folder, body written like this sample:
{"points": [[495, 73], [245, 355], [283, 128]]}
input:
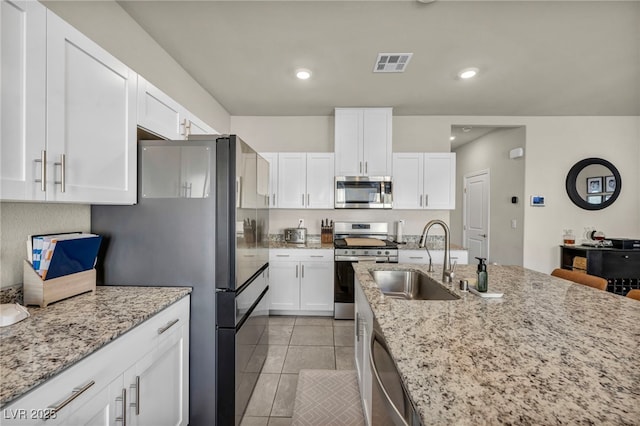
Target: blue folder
{"points": [[73, 255]]}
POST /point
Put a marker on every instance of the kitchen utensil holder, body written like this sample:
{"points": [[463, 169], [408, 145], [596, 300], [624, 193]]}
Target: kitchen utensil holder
{"points": [[43, 292]]}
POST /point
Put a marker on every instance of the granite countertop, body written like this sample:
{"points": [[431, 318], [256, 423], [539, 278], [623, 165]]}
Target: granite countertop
{"points": [[548, 352], [54, 338]]}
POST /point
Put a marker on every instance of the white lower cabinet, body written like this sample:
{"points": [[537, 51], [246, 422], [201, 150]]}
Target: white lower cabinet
{"points": [[301, 280], [364, 327], [141, 378], [461, 257]]}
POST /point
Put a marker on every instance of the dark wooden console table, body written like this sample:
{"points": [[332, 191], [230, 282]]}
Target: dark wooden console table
{"points": [[621, 268]]}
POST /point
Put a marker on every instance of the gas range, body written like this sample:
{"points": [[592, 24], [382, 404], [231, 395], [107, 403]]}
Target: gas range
{"points": [[361, 241]]}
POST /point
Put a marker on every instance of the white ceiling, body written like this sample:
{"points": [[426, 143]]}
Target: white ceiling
{"points": [[535, 57]]}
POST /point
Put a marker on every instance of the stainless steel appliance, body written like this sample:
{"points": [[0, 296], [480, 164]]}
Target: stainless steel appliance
{"points": [[357, 242], [390, 402], [363, 192], [295, 235], [201, 217]]}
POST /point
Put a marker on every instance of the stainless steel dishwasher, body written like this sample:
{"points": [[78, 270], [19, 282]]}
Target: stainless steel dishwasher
{"points": [[390, 403]]}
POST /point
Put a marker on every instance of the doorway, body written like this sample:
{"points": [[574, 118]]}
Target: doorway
{"points": [[475, 213]]}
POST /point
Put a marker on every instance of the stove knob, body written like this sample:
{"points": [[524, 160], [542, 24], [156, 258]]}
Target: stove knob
{"points": [[366, 252], [353, 252], [381, 252], [386, 252]]}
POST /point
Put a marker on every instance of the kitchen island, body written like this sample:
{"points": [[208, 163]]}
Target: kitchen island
{"points": [[548, 352], [57, 337]]}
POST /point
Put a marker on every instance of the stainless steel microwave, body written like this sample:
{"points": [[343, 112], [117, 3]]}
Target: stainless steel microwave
{"points": [[363, 192]]}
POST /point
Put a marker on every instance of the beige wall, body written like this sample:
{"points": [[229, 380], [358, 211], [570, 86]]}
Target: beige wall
{"points": [[19, 220], [106, 23], [491, 152], [553, 145]]}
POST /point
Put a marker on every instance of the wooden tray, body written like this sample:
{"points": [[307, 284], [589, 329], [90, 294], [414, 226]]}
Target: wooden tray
{"points": [[364, 242], [41, 293]]}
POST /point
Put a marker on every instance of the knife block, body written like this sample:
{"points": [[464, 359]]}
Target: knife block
{"points": [[326, 234], [43, 292]]}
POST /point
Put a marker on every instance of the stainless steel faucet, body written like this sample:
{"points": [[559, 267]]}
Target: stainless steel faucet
{"points": [[447, 269]]}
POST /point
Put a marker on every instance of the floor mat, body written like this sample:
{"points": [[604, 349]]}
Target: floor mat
{"points": [[327, 398]]}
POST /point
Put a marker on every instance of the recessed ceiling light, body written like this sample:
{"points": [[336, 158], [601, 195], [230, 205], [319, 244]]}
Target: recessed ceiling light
{"points": [[451, 138], [468, 73], [303, 74]]}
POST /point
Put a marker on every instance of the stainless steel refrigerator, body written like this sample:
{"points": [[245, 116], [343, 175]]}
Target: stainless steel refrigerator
{"points": [[201, 221]]}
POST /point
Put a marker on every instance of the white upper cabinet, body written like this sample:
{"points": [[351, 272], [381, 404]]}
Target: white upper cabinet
{"points": [[161, 115], [23, 85], [157, 112], [68, 113], [91, 120], [363, 141], [272, 159], [424, 181], [305, 181]]}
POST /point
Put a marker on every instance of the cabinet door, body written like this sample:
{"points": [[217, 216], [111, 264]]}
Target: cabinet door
{"points": [[320, 180], [272, 158], [413, 256], [157, 112], [91, 119], [364, 327], [23, 78], [440, 181], [292, 172], [348, 142], [195, 126], [157, 386], [316, 286], [377, 142], [104, 408], [284, 285], [408, 180]]}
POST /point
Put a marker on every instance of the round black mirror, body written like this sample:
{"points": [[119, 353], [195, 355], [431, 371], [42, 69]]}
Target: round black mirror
{"points": [[593, 184]]}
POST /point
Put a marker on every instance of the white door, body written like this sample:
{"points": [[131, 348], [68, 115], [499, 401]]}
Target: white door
{"points": [[284, 285], [476, 214], [408, 180], [320, 180], [91, 119], [440, 181], [23, 77], [292, 172], [376, 142], [316, 286]]}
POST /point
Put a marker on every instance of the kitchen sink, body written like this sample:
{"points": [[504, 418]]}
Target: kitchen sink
{"points": [[411, 285]]}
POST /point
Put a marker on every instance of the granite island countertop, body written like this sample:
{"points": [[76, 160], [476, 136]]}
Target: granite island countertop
{"points": [[548, 352], [56, 337]]}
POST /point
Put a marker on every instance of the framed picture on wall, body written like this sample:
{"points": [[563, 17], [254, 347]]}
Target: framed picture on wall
{"points": [[594, 185], [609, 183], [594, 199]]}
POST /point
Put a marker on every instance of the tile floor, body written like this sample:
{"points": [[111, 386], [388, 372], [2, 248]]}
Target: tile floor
{"points": [[296, 343]]}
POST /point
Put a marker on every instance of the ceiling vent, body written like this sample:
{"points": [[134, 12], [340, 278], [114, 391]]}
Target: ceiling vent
{"points": [[392, 62]]}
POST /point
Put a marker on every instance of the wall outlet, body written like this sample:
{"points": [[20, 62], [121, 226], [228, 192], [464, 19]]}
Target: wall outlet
{"points": [[300, 223]]}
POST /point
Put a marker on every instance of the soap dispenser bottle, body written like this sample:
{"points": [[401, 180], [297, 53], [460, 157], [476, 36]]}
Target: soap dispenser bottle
{"points": [[482, 275]]}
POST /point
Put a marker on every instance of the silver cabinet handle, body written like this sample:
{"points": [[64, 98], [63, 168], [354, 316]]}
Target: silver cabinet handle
{"points": [[361, 167], [420, 200], [303, 200], [396, 413], [274, 199], [302, 271], [357, 326], [167, 326], [43, 170], [123, 398], [426, 200], [366, 167], [307, 200], [415, 257], [136, 404], [296, 271], [76, 392], [282, 255], [313, 255]]}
